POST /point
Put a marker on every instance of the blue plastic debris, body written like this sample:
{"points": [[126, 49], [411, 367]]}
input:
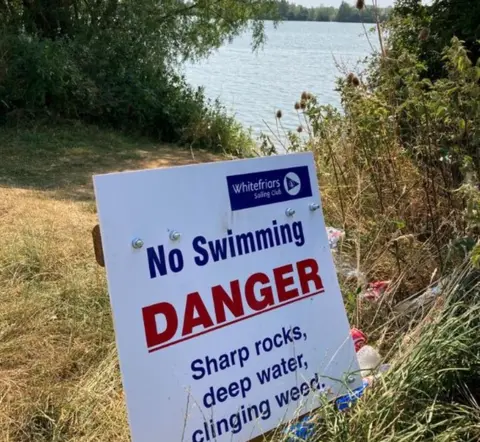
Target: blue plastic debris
{"points": [[301, 430], [344, 402]]}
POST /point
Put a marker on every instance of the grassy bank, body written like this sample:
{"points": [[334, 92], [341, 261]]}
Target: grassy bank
{"points": [[59, 379], [398, 168], [398, 171], [58, 361]]}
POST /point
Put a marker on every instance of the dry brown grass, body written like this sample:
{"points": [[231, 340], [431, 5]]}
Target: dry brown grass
{"points": [[59, 379]]}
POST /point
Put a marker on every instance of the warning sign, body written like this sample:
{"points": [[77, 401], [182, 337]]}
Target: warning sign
{"points": [[228, 314]]}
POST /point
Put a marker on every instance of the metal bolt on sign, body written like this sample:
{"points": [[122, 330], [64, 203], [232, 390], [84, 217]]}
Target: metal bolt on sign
{"points": [[314, 206], [290, 212], [351, 379], [137, 243], [174, 235]]}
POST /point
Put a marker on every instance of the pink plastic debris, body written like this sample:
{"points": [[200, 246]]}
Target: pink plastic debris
{"points": [[334, 236], [375, 290], [359, 338]]}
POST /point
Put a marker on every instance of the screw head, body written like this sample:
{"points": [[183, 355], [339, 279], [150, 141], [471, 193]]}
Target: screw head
{"points": [[350, 379], [314, 206], [137, 243], [290, 212], [174, 235]]}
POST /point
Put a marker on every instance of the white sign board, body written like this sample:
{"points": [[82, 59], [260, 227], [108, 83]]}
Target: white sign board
{"points": [[227, 310]]}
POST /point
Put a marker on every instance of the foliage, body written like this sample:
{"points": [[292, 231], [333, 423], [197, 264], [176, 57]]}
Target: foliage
{"points": [[345, 13], [425, 29], [398, 170], [115, 63], [431, 390], [399, 167], [165, 29]]}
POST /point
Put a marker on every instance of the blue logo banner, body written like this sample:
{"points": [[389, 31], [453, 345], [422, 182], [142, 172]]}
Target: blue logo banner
{"points": [[268, 187]]}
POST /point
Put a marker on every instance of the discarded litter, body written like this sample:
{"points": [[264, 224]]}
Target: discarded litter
{"points": [[369, 362], [334, 236], [414, 303], [348, 272], [301, 430], [359, 338], [345, 402], [375, 290]]}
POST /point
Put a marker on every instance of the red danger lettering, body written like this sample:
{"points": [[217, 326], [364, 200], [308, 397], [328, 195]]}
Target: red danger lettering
{"points": [[258, 294]]}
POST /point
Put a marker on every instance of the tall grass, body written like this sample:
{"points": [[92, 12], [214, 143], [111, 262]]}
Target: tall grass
{"points": [[398, 171], [59, 375], [431, 391]]}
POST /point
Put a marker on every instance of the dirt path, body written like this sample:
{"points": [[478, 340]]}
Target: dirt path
{"points": [[61, 161]]}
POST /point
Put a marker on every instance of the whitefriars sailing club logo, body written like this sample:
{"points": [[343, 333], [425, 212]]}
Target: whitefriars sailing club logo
{"points": [[268, 187], [292, 183]]}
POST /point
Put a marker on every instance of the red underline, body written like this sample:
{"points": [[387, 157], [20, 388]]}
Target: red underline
{"points": [[243, 318]]}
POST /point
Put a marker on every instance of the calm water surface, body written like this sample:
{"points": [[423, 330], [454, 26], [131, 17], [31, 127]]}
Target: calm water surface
{"points": [[298, 56]]}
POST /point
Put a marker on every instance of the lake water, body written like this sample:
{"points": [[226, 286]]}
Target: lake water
{"points": [[298, 56]]}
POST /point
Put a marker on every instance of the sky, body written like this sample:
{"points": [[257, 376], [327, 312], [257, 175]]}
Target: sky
{"points": [[381, 3]]}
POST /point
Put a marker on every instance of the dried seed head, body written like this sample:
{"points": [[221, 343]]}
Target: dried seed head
{"points": [[299, 129], [303, 104], [352, 79], [304, 95], [309, 96], [360, 4], [279, 114], [424, 34], [297, 105]]}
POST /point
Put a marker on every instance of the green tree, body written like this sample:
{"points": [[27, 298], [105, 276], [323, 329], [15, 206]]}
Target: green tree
{"points": [[426, 29], [186, 28], [347, 13], [291, 11], [115, 62]]}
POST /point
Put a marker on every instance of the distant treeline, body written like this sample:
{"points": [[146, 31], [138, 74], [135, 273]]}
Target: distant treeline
{"points": [[345, 13]]}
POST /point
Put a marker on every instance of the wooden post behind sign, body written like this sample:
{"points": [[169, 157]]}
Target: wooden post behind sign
{"points": [[97, 245]]}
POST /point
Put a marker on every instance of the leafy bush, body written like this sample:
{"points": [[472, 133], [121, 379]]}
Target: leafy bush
{"points": [[116, 63], [426, 29], [399, 170], [399, 167], [104, 82]]}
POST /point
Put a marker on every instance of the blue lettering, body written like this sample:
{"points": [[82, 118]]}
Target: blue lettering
{"points": [[175, 259], [278, 340], [197, 433], [218, 248], [156, 262], [197, 246], [282, 399], [197, 367], [297, 333], [264, 376]]}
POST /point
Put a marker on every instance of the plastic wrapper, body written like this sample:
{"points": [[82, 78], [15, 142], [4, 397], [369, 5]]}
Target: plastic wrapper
{"points": [[301, 430], [375, 290], [422, 300], [334, 236]]}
